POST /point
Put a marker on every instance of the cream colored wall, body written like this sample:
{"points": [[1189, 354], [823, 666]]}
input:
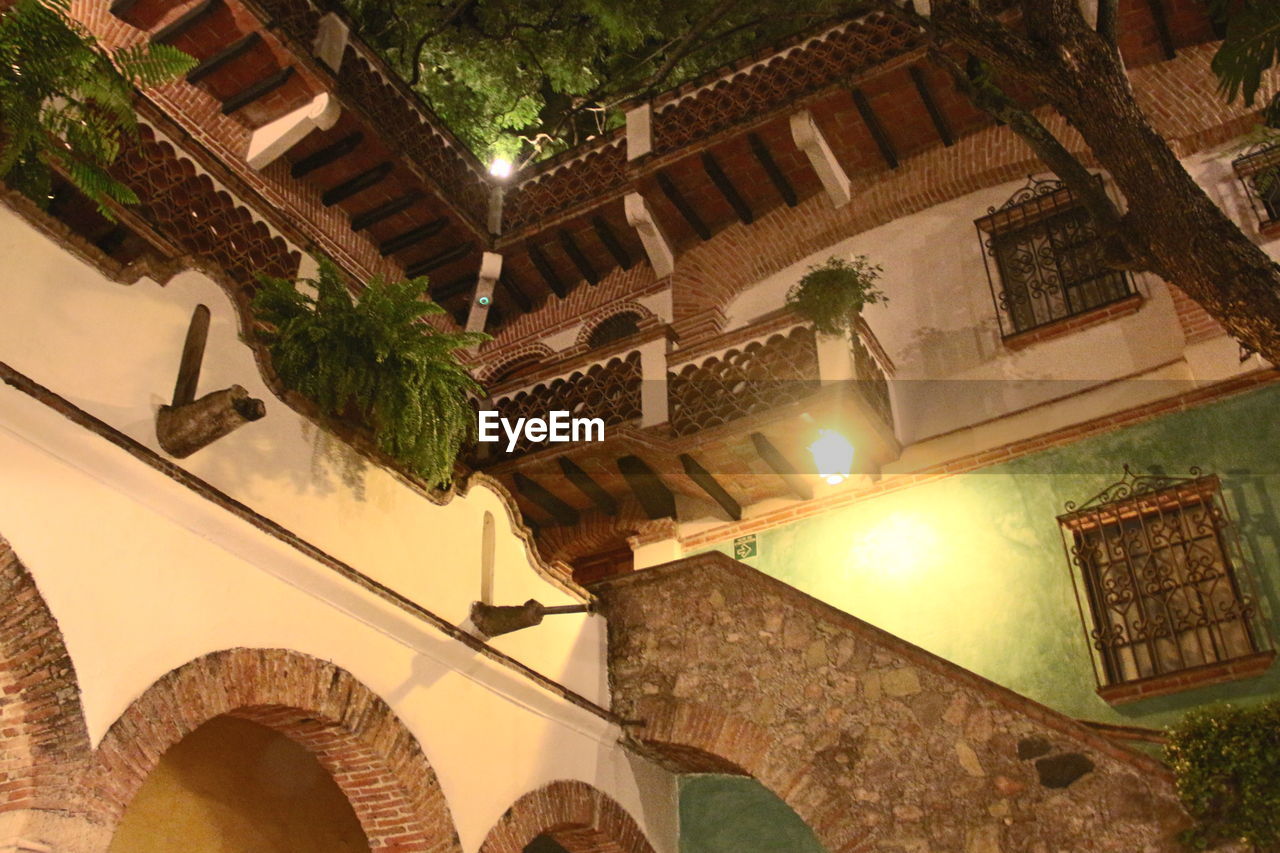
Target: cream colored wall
{"points": [[232, 786], [143, 575]]}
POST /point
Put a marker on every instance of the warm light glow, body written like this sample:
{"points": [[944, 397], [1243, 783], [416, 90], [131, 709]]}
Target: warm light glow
{"points": [[833, 455], [899, 545], [500, 167]]}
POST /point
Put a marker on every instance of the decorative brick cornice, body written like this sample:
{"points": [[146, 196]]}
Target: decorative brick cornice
{"points": [[577, 816], [356, 737]]}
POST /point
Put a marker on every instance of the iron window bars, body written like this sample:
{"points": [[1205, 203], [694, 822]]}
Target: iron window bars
{"points": [[1157, 561], [1047, 257], [1259, 171]]}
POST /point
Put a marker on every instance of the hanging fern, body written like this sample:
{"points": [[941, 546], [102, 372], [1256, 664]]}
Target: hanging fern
{"points": [[67, 104], [1252, 46], [375, 355], [832, 294]]}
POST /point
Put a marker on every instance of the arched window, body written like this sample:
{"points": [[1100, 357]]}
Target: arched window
{"points": [[615, 328]]}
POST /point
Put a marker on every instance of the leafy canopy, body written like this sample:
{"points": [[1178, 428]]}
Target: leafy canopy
{"points": [[66, 104], [1227, 764], [375, 354], [832, 294]]}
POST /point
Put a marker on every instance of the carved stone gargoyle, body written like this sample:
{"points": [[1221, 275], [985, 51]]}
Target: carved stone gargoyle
{"points": [[190, 424], [494, 619]]}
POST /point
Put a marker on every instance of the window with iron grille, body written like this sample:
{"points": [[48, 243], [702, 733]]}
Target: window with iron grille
{"points": [[1044, 259], [1259, 171], [1162, 585]]}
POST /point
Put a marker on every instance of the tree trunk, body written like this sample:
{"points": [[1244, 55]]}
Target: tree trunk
{"points": [[1189, 241]]}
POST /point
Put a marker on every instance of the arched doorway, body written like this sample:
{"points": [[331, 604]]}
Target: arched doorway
{"points": [[566, 816], [234, 786]]}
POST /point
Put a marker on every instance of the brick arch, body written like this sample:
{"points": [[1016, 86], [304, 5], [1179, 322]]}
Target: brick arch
{"points": [[45, 740], [581, 819], [356, 737], [646, 319], [535, 350]]}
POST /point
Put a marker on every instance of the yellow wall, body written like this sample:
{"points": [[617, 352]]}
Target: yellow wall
{"points": [[232, 786]]}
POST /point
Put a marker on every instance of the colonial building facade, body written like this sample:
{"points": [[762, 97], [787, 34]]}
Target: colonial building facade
{"points": [[1051, 524]]}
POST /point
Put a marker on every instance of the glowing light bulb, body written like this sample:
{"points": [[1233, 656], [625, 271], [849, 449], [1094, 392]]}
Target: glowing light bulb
{"points": [[833, 455], [500, 167]]}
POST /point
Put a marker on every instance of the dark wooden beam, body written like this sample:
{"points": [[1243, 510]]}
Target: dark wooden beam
{"points": [[547, 272], [184, 22], [877, 130], [412, 237], [257, 90], [654, 496], [517, 295], [326, 155], [1161, 18], [610, 241], [672, 192], [579, 260], [438, 260], [228, 54], [726, 188], [556, 508], [589, 487], [360, 182], [374, 215], [781, 466], [940, 123], [779, 180], [711, 486], [459, 285]]}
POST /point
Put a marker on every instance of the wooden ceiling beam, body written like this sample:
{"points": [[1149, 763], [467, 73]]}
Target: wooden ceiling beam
{"points": [[438, 260], [781, 466], [183, 22], [610, 241], [872, 122], [228, 54], [538, 494], [711, 486], [412, 237], [722, 183], [655, 498], [940, 123], [326, 155], [677, 199], [770, 166], [595, 492], [547, 272], [1161, 19], [518, 296], [374, 215], [257, 91], [579, 260], [359, 183]]}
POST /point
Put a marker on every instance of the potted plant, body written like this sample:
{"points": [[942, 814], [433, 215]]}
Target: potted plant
{"points": [[373, 354], [831, 294]]}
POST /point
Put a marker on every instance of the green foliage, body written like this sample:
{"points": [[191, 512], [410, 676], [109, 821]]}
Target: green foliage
{"points": [[1227, 763], [1251, 47], [376, 355], [65, 103], [531, 77], [831, 294]]}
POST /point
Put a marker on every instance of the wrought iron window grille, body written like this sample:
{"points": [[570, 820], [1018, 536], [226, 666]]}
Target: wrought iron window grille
{"points": [[1258, 171], [1043, 257], [1161, 583]]}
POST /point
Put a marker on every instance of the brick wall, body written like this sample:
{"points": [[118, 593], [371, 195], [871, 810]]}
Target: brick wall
{"points": [[580, 818], [876, 744]]}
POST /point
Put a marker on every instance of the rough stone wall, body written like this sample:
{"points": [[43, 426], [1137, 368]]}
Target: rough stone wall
{"points": [[876, 744]]}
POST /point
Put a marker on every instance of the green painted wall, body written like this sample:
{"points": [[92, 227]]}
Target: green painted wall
{"points": [[972, 567], [736, 814]]}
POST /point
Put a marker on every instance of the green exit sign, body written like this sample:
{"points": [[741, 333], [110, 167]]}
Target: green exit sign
{"points": [[745, 546]]}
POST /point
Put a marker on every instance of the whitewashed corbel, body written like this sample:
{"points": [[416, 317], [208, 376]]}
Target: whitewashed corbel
{"points": [[490, 270], [271, 140], [809, 139], [656, 244], [331, 41]]}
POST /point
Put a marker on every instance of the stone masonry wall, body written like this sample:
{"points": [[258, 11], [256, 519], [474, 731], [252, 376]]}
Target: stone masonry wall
{"points": [[876, 744]]}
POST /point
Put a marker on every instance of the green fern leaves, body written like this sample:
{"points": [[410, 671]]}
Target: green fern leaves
{"points": [[1252, 46], [374, 356], [67, 104]]}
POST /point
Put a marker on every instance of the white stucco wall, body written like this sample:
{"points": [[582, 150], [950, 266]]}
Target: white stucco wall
{"points": [[143, 575]]}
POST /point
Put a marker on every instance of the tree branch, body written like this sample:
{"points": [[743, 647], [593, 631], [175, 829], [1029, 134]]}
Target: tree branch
{"points": [[1107, 13], [416, 56]]}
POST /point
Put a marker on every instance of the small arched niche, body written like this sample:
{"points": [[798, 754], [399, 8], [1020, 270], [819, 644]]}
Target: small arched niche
{"points": [[233, 786]]}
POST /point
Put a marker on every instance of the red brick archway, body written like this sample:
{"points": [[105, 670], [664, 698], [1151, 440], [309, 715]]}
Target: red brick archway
{"points": [[580, 818], [375, 760], [43, 738]]}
